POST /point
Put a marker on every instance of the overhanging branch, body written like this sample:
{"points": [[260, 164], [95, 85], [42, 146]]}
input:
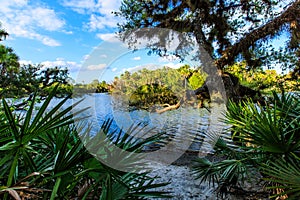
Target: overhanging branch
{"points": [[291, 14]]}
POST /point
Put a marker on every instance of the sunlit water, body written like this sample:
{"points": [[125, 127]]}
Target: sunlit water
{"points": [[184, 123]]}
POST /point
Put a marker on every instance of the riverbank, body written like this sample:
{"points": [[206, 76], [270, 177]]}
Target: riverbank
{"points": [[184, 186]]}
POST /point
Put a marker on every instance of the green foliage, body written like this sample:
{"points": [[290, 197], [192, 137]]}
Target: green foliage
{"points": [[223, 23], [18, 80], [196, 80], [42, 156], [263, 140], [148, 95], [28, 79], [285, 176], [265, 81], [160, 86], [94, 87]]}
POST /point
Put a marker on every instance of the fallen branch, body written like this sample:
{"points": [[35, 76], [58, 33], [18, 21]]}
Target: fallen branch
{"points": [[170, 107]]}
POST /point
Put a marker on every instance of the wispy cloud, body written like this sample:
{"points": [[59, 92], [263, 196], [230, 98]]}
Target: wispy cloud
{"points": [[97, 67], [22, 19], [137, 58], [100, 12], [108, 37], [98, 22], [61, 62], [85, 57], [25, 62], [173, 65], [81, 6], [149, 66]]}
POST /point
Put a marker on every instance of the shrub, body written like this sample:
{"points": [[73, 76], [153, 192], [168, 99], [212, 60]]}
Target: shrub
{"points": [[42, 156], [264, 143]]}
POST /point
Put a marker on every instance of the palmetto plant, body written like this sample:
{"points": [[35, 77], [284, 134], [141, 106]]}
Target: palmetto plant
{"points": [[42, 156], [285, 177], [264, 142]]}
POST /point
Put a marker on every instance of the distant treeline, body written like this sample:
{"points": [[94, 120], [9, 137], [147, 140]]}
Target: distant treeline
{"points": [[161, 84], [94, 87]]}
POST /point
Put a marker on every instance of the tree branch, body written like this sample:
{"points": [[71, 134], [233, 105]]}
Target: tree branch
{"points": [[170, 107], [270, 29]]}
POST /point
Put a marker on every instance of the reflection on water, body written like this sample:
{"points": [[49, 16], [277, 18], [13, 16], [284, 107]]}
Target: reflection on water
{"points": [[185, 122]]}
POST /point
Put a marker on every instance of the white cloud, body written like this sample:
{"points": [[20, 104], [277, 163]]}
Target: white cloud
{"points": [[137, 58], [97, 67], [80, 6], [60, 62], [173, 65], [108, 6], [68, 32], [108, 37], [21, 19], [100, 12], [114, 69], [25, 62], [98, 22], [85, 57], [149, 66], [60, 59], [48, 41], [46, 19]]}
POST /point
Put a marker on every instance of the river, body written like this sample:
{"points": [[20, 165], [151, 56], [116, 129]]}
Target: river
{"points": [[187, 121]]}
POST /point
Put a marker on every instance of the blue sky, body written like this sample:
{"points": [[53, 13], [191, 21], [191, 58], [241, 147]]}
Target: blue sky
{"points": [[65, 32]]}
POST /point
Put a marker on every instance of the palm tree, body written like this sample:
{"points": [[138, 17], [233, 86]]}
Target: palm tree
{"points": [[3, 34]]}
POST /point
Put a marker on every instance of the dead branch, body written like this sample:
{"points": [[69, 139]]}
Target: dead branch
{"points": [[170, 107]]}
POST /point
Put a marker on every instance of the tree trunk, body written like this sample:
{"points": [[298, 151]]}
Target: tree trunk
{"points": [[234, 90]]}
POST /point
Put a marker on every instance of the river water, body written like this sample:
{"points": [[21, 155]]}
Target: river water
{"points": [[186, 122]]}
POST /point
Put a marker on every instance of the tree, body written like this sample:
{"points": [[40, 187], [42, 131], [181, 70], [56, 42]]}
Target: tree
{"points": [[9, 62], [20, 80], [186, 72], [152, 89], [3, 34], [228, 30], [221, 21], [102, 87], [9, 65]]}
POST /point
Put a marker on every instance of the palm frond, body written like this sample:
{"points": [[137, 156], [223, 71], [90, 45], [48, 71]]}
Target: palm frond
{"points": [[287, 175]]}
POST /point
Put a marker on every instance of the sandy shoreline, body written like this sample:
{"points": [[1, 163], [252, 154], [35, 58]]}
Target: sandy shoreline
{"points": [[183, 183], [184, 186]]}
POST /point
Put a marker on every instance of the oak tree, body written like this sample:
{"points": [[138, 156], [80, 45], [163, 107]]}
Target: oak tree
{"points": [[229, 30]]}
